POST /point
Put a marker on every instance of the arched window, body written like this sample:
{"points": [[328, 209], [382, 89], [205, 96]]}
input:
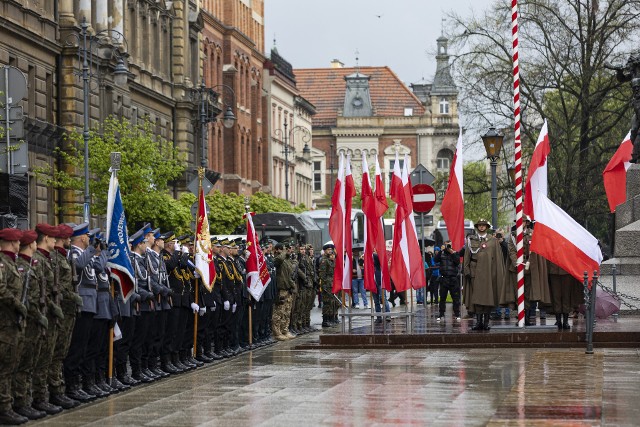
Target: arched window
{"points": [[444, 159], [444, 106]]}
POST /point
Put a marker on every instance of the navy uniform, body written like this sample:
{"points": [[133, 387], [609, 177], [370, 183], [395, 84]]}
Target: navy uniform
{"points": [[208, 301], [84, 276], [241, 338], [176, 318], [142, 308], [189, 304], [227, 280]]}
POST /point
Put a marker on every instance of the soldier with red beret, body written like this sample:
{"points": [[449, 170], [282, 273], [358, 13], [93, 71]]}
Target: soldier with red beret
{"points": [[13, 314]]}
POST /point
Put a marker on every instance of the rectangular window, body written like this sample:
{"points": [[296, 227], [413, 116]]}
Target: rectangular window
{"points": [[443, 163], [408, 111], [392, 164], [317, 181]]}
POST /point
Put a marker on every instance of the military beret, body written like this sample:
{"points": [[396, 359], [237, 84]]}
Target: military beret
{"points": [[10, 234], [46, 229], [279, 246], [81, 229], [136, 238], [28, 237], [64, 231]]}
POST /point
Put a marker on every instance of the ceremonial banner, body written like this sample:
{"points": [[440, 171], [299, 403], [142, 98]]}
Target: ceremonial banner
{"points": [[118, 241], [257, 273], [203, 256]]}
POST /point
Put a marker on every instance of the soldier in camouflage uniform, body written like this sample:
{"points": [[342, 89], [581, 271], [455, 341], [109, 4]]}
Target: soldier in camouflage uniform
{"points": [[50, 298], [284, 299], [325, 274], [309, 290], [37, 324], [13, 315], [70, 304], [296, 278]]}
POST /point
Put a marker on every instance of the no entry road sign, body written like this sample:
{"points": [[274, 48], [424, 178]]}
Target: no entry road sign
{"points": [[424, 198]]}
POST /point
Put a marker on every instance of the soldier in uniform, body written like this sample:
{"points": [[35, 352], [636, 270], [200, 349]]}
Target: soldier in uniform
{"points": [[215, 311], [161, 292], [50, 298], [37, 324], [268, 297], [309, 290], [208, 305], [176, 320], [189, 278], [244, 300], [325, 274], [284, 299], [84, 277], [562, 286], [143, 307], [13, 317], [484, 274], [71, 304]]}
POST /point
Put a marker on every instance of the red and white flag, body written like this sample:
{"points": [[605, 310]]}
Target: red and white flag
{"points": [[560, 239], [615, 174], [349, 194], [381, 206], [406, 262], [257, 273], [452, 207], [203, 256], [336, 226], [537, 174]]}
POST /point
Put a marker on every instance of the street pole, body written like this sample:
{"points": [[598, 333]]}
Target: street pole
{"points": [[203, 126], [331, 166], [286, 162], [85, 131], [494, 193], [6, 116]]}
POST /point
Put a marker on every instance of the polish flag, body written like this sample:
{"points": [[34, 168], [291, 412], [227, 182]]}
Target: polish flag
{"points": [[336, 225], [615, 174], [560, 239], [381, 206], [537, 175], [452, 207], [349, 194], [405, 272], [370, 231], [257, 272], [416, 266]]}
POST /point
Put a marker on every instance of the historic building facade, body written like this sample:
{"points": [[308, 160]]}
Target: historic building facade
{"points": [[370, 110], [289, 132]]}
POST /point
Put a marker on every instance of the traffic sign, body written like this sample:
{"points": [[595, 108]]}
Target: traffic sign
{"points": [[424, 198]]}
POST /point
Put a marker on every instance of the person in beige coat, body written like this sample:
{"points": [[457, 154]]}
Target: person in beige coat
{"points": [[484, 274]]}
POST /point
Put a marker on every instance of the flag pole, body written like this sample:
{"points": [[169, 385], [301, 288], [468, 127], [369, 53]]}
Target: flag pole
{"points": [[518, 163], [115, 167], [195, 240]]}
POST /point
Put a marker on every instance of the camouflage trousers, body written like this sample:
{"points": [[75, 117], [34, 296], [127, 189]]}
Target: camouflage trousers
{"points": [[55, 376], [11, 342], [282, 313], [329, 305], [43, 363], [308, 294], [23, 377]]}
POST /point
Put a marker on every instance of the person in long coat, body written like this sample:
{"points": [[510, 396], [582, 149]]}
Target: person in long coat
{"points": [[484, 274]]}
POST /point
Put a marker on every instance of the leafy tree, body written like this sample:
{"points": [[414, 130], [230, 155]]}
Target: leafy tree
{"points": [[149, 163], [565, 50]]}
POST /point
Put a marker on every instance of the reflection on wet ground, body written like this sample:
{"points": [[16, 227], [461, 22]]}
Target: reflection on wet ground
{"points": [[282, 386]]}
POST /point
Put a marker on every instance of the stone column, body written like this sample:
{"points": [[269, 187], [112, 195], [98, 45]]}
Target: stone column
{"points": [[118, 16], [67, 18], [102, 15]]}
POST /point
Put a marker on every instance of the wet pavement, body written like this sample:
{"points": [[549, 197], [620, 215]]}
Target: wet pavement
{"points": [[283, 386]]}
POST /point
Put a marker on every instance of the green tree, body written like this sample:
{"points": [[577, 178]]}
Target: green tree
{"points": [[149, 163], [565, 50]]}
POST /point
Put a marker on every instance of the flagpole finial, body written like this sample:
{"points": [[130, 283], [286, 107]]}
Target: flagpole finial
{"points": [[116, 161], [200, 173]]}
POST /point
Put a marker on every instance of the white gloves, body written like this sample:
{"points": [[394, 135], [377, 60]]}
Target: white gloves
{"points": [[233, 307], [226, 306], [526, 266], [202, 311], [215, 306], [195, 307], [185, 249], [177, 247]]}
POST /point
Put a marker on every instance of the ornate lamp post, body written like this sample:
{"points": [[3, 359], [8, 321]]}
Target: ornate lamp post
{"points": [[207, 98], [492, 144], [105, 45], [287, 136]]}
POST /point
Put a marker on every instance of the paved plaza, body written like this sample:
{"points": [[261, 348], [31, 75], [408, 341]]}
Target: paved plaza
{"points": [[285, 386]]}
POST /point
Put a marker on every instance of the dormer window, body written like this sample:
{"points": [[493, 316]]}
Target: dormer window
{"points": [[408, 111], [444, 106]]}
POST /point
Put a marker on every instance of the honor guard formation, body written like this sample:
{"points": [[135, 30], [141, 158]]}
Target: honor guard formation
{"points": [[61, 312]]}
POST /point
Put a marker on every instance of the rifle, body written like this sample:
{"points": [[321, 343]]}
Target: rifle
{"points": [[25, 292]]}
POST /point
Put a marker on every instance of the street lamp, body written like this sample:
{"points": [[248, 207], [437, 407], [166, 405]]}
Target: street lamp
{"points": [[207, 97], [492, 144], [287, 136], [106, 44]]}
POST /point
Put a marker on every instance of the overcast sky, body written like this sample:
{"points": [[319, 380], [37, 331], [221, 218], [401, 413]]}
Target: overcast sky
{"points": [[399, 33]]}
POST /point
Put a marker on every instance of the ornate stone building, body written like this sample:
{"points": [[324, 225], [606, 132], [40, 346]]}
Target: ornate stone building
{"points": [[290, 115], [370, 110]]}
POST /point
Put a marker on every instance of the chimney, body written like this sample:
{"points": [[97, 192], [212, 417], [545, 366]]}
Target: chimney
{"points": [[336, 63]]}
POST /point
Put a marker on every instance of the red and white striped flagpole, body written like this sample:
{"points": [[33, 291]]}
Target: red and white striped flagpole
{"points": [[518, 162]]}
